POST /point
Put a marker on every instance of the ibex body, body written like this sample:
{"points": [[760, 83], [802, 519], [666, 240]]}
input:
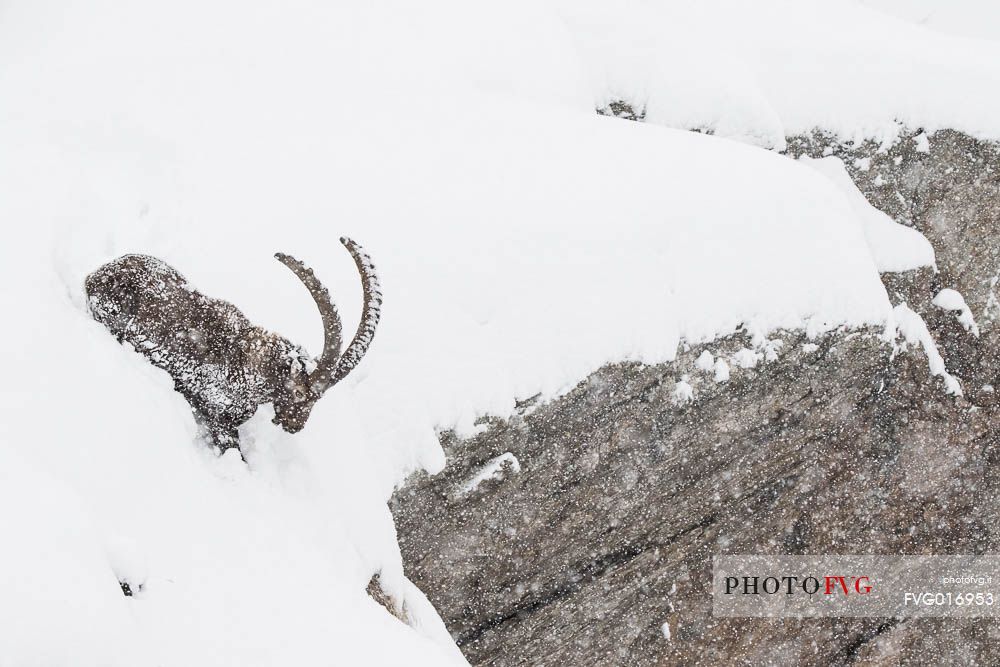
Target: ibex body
{"points": [[224, 365]]}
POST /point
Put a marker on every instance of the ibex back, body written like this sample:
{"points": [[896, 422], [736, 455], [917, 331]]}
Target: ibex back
{"points": [[224, 365]]}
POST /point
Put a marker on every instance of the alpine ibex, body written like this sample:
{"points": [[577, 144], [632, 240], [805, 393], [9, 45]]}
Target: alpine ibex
{"points": [[224, 365]]}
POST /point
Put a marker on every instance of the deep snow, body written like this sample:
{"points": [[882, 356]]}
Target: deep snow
{"points": [[762, 71], [522, 240]]}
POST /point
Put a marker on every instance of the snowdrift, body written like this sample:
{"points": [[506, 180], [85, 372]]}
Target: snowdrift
{"points": [[761, 71]]}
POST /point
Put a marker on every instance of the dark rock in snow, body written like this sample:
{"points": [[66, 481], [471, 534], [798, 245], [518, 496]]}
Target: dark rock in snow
{"points": [[378, 593], [623, 109]]}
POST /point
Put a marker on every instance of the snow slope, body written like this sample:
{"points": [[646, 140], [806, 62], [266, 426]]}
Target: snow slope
{"points": [[971, 18], [522, 241], [761, 71]]}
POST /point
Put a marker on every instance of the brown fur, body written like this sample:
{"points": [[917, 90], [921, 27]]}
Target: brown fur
{"points": [[224, 365]]}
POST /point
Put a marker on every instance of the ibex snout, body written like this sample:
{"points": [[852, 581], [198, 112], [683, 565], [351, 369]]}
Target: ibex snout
{"points": [[294, 404]]}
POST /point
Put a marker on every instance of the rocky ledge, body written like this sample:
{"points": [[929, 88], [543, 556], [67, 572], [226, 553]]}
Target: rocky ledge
{"points": [[582, 531]]}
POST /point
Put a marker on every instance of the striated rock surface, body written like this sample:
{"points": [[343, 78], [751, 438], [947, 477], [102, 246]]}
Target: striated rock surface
{"points": [[581, 531]]}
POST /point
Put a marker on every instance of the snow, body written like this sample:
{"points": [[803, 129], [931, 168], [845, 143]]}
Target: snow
{"points": [[746, 358], [705, 361], [923, 143], [127, 562], [721, 370], [494, 469], [522, 242], [771, 348], [914, 330], [894, 246], [762, 71], [973, 18], [683, 392], [55, 569], [950, 299]]}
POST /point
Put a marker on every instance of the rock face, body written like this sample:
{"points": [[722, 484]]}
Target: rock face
{"points": [[581, 532]]}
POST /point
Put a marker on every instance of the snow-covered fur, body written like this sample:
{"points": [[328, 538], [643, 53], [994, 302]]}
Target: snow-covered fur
{"points": [[223, 364]]}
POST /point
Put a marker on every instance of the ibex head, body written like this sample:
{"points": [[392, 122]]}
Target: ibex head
{"points": [[223, 364], [294, 399]]}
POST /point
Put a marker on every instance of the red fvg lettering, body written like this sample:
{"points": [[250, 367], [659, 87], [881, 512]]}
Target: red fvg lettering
{"points": [[831, 584], [861, 585]]}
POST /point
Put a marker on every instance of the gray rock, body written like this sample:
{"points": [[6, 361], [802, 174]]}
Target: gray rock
{"points": [[571, 532]]}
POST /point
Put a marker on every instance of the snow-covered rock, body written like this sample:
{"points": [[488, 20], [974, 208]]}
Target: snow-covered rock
{"points": [[894, 246], [952, 300]]}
